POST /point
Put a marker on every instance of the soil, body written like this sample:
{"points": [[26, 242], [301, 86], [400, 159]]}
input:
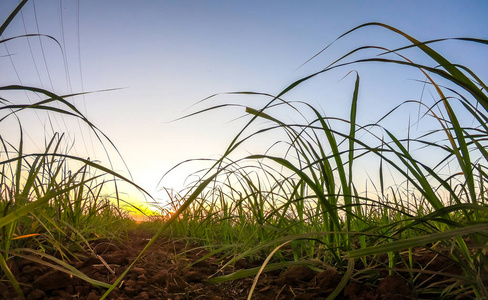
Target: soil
{"points": [[163, 273]]}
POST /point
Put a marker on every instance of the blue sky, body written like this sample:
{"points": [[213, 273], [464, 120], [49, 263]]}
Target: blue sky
{"points": [[165, 56]]}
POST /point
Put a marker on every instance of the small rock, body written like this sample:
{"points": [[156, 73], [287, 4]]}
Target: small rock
{"points": [[241, 264], [93, 296], [139, 271], [296, 275], [194, 276], [27, 269], [130, 291], [161, 277], [130, 283], [36, 294], [394, 287], [142, 277], [117, 258], [328, 279], [52, 280]]}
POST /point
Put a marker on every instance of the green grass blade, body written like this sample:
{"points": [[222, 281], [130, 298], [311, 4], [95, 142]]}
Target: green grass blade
{"points": [[418, 241], [12, 16]]}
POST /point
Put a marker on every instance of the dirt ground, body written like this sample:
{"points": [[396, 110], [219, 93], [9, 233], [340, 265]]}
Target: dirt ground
{"points": [[163, 274]]}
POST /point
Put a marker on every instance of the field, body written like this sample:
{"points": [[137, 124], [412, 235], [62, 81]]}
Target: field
{"points": [[297, 220]]}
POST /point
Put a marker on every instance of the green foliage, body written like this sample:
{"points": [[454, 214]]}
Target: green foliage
{"points": [[307, 194], [52, 203], [299, 201]]}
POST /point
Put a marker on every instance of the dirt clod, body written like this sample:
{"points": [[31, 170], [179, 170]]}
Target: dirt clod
{"points": [[165, 272], [328, 279], [297, 274], [394, 287], [36, 294], [52, 280]]}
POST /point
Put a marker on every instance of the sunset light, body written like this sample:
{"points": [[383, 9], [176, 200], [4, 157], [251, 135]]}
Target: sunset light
{"points": [[243, 149]]}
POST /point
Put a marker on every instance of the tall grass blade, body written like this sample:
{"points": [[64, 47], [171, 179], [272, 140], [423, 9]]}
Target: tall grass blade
{"points": [[418, 241]]}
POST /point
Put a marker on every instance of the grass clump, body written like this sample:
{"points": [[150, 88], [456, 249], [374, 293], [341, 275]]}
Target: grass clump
{"points": [[302, 199], [303, 189], [52, 203]]}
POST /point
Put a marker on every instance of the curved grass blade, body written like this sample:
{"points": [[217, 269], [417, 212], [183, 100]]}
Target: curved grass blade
{"points": [[58, 265], [268, 268], [263, 266], [418, 241]]}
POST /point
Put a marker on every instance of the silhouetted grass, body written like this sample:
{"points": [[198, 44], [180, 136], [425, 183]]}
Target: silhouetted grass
{"points": [[52, 203], [298, 202], [304, 203]]}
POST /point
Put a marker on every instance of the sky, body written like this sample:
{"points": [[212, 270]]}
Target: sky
{"points": [[144, 64]]}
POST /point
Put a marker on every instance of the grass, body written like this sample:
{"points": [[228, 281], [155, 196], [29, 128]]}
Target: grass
{"points": [[306, 195], [299, 201], [52, 203]]}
